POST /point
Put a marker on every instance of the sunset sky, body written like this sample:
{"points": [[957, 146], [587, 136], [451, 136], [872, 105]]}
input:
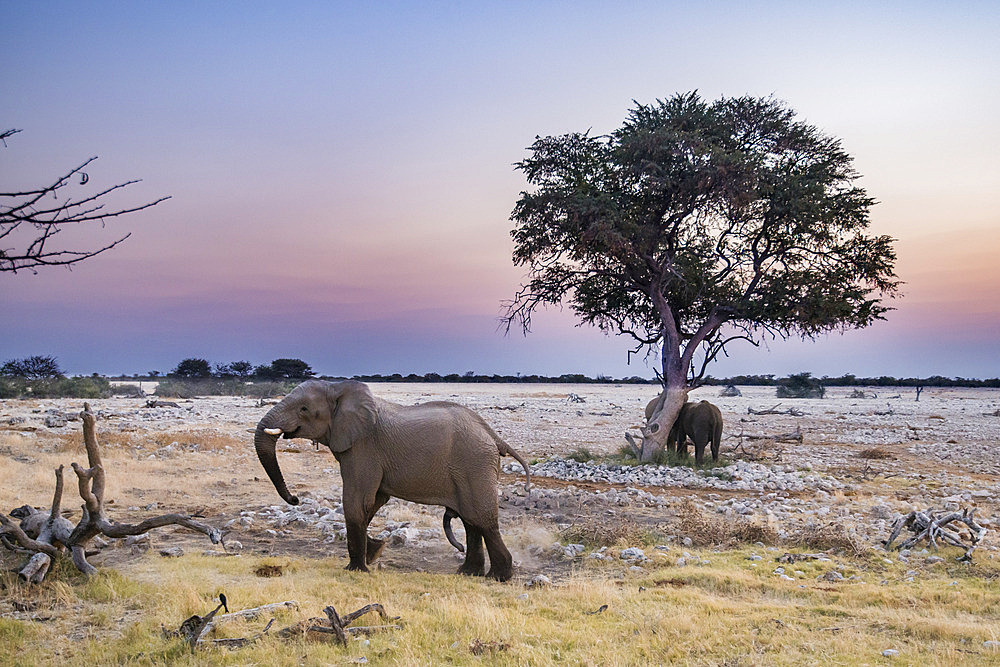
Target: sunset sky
{"points": [[341, 173]]}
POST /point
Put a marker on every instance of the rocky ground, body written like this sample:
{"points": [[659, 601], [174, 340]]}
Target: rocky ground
{"points": [[861, 463]]}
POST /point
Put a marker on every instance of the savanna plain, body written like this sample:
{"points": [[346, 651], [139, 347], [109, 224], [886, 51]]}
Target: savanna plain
{"points": [[773, 555]]}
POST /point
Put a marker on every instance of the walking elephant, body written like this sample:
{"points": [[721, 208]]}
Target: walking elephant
{"points": [[436, 453], [701, 421]]}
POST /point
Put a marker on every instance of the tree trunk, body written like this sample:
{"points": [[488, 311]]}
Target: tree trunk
{"points": [[674, 395]]}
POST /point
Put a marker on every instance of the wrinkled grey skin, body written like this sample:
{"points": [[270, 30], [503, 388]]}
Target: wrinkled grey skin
{"points": [[436, 453], [702, 422]]}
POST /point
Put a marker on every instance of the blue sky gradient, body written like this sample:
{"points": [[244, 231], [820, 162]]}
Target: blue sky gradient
{"points": [[341, 173]]}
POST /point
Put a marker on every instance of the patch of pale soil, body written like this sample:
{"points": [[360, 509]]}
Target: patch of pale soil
{"points": [[882, 455]]}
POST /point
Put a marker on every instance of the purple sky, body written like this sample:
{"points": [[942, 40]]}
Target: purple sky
{"points": [[341, 174]]}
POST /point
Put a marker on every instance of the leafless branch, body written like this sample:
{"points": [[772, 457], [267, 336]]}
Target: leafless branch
{"points": [[31, 225]]}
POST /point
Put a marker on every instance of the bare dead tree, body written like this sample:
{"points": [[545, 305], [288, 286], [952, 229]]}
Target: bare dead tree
{"points": [[30, 219], [46, 534]]}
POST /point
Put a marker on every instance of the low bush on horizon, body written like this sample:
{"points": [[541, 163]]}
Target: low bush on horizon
{"points": [[800, 385], [56, 387], [174, 388]]}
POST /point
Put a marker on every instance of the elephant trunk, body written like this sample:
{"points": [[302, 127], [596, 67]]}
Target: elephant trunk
{"points": [[265, 445]]}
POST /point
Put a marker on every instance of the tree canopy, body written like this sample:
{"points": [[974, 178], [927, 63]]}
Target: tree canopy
{"points": [[32, 368], [192, 368], [696, 223], [693, 215]]}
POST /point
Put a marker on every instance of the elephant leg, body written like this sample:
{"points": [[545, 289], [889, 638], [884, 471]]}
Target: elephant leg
{"points": [[501, 563], [699, 450], [373, 547], [356, 547], [475, 558], [682, 446], [358, 513]]}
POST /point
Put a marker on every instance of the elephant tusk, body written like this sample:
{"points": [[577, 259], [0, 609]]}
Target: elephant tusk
{"points": [[273, 431]]}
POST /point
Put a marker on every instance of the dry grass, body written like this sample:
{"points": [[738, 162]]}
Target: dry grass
{"points": [[833, 537], [706, 529], [875, 453], [594, 534], [659, 617]]}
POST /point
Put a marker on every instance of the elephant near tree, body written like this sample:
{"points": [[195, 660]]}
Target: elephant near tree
{"points": [[701, 421], [436, 453]]}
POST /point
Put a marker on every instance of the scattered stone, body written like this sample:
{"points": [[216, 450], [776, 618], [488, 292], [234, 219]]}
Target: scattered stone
{"points": [[539, 581], [890, 653], [632, 553], [172, 552], [831, 576]]}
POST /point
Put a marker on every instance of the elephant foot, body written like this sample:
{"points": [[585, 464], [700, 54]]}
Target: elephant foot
{"points": [[500, 573], [373, 550], [356, 567], [473, 569]]}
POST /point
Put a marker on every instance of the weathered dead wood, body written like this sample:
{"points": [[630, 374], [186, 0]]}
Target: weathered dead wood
{"points": [[636, 447], [161, 404], [337, 625], [238, 642], [46, 535], [775, 411], [794, 436], [928, 526], [254, 612]]}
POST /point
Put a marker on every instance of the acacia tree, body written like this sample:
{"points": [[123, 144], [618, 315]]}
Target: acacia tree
{"points": [[32, 368], [695, 224], [30, 219]]}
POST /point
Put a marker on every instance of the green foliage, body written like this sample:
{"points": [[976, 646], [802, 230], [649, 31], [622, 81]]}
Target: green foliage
{"points": [[693, 216], [176, 388], [285, 368], [581, 455], [800, 385], [32, 368], [626, 456], [128, 391], [192, 368], [60, 387]]}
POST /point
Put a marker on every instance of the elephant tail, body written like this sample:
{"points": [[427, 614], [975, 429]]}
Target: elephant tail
{"points": [[450, 514], [507, 450]]}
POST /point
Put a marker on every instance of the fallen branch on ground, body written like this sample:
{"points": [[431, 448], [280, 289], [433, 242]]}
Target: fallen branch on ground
{"points": [[928, 526], [161, 404], [794, 436], [337, 625], [775, 411], [47, 534]]}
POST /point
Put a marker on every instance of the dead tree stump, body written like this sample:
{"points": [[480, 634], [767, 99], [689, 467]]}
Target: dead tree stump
{"points": [[46, 535]]}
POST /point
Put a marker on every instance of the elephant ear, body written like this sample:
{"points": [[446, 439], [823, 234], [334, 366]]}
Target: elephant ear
{"points": [[353, 415]]}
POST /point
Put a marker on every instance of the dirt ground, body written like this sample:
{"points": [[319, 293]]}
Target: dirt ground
{"points": [[876, 457]]}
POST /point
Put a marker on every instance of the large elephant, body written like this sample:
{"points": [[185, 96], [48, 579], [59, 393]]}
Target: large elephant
{"points": [[436, 453], [702, 422]]}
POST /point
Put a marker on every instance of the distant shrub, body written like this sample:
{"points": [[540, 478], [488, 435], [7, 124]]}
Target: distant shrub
{"points": [[32, 368], [175, 388], [59, 387], [730, 390], [128, 391], [800, 385]]}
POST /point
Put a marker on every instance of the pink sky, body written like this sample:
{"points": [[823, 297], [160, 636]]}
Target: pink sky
{"points": [[341, 176]]}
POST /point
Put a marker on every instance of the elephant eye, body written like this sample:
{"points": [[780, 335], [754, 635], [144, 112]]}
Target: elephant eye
{"points": [[303, 409]]}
